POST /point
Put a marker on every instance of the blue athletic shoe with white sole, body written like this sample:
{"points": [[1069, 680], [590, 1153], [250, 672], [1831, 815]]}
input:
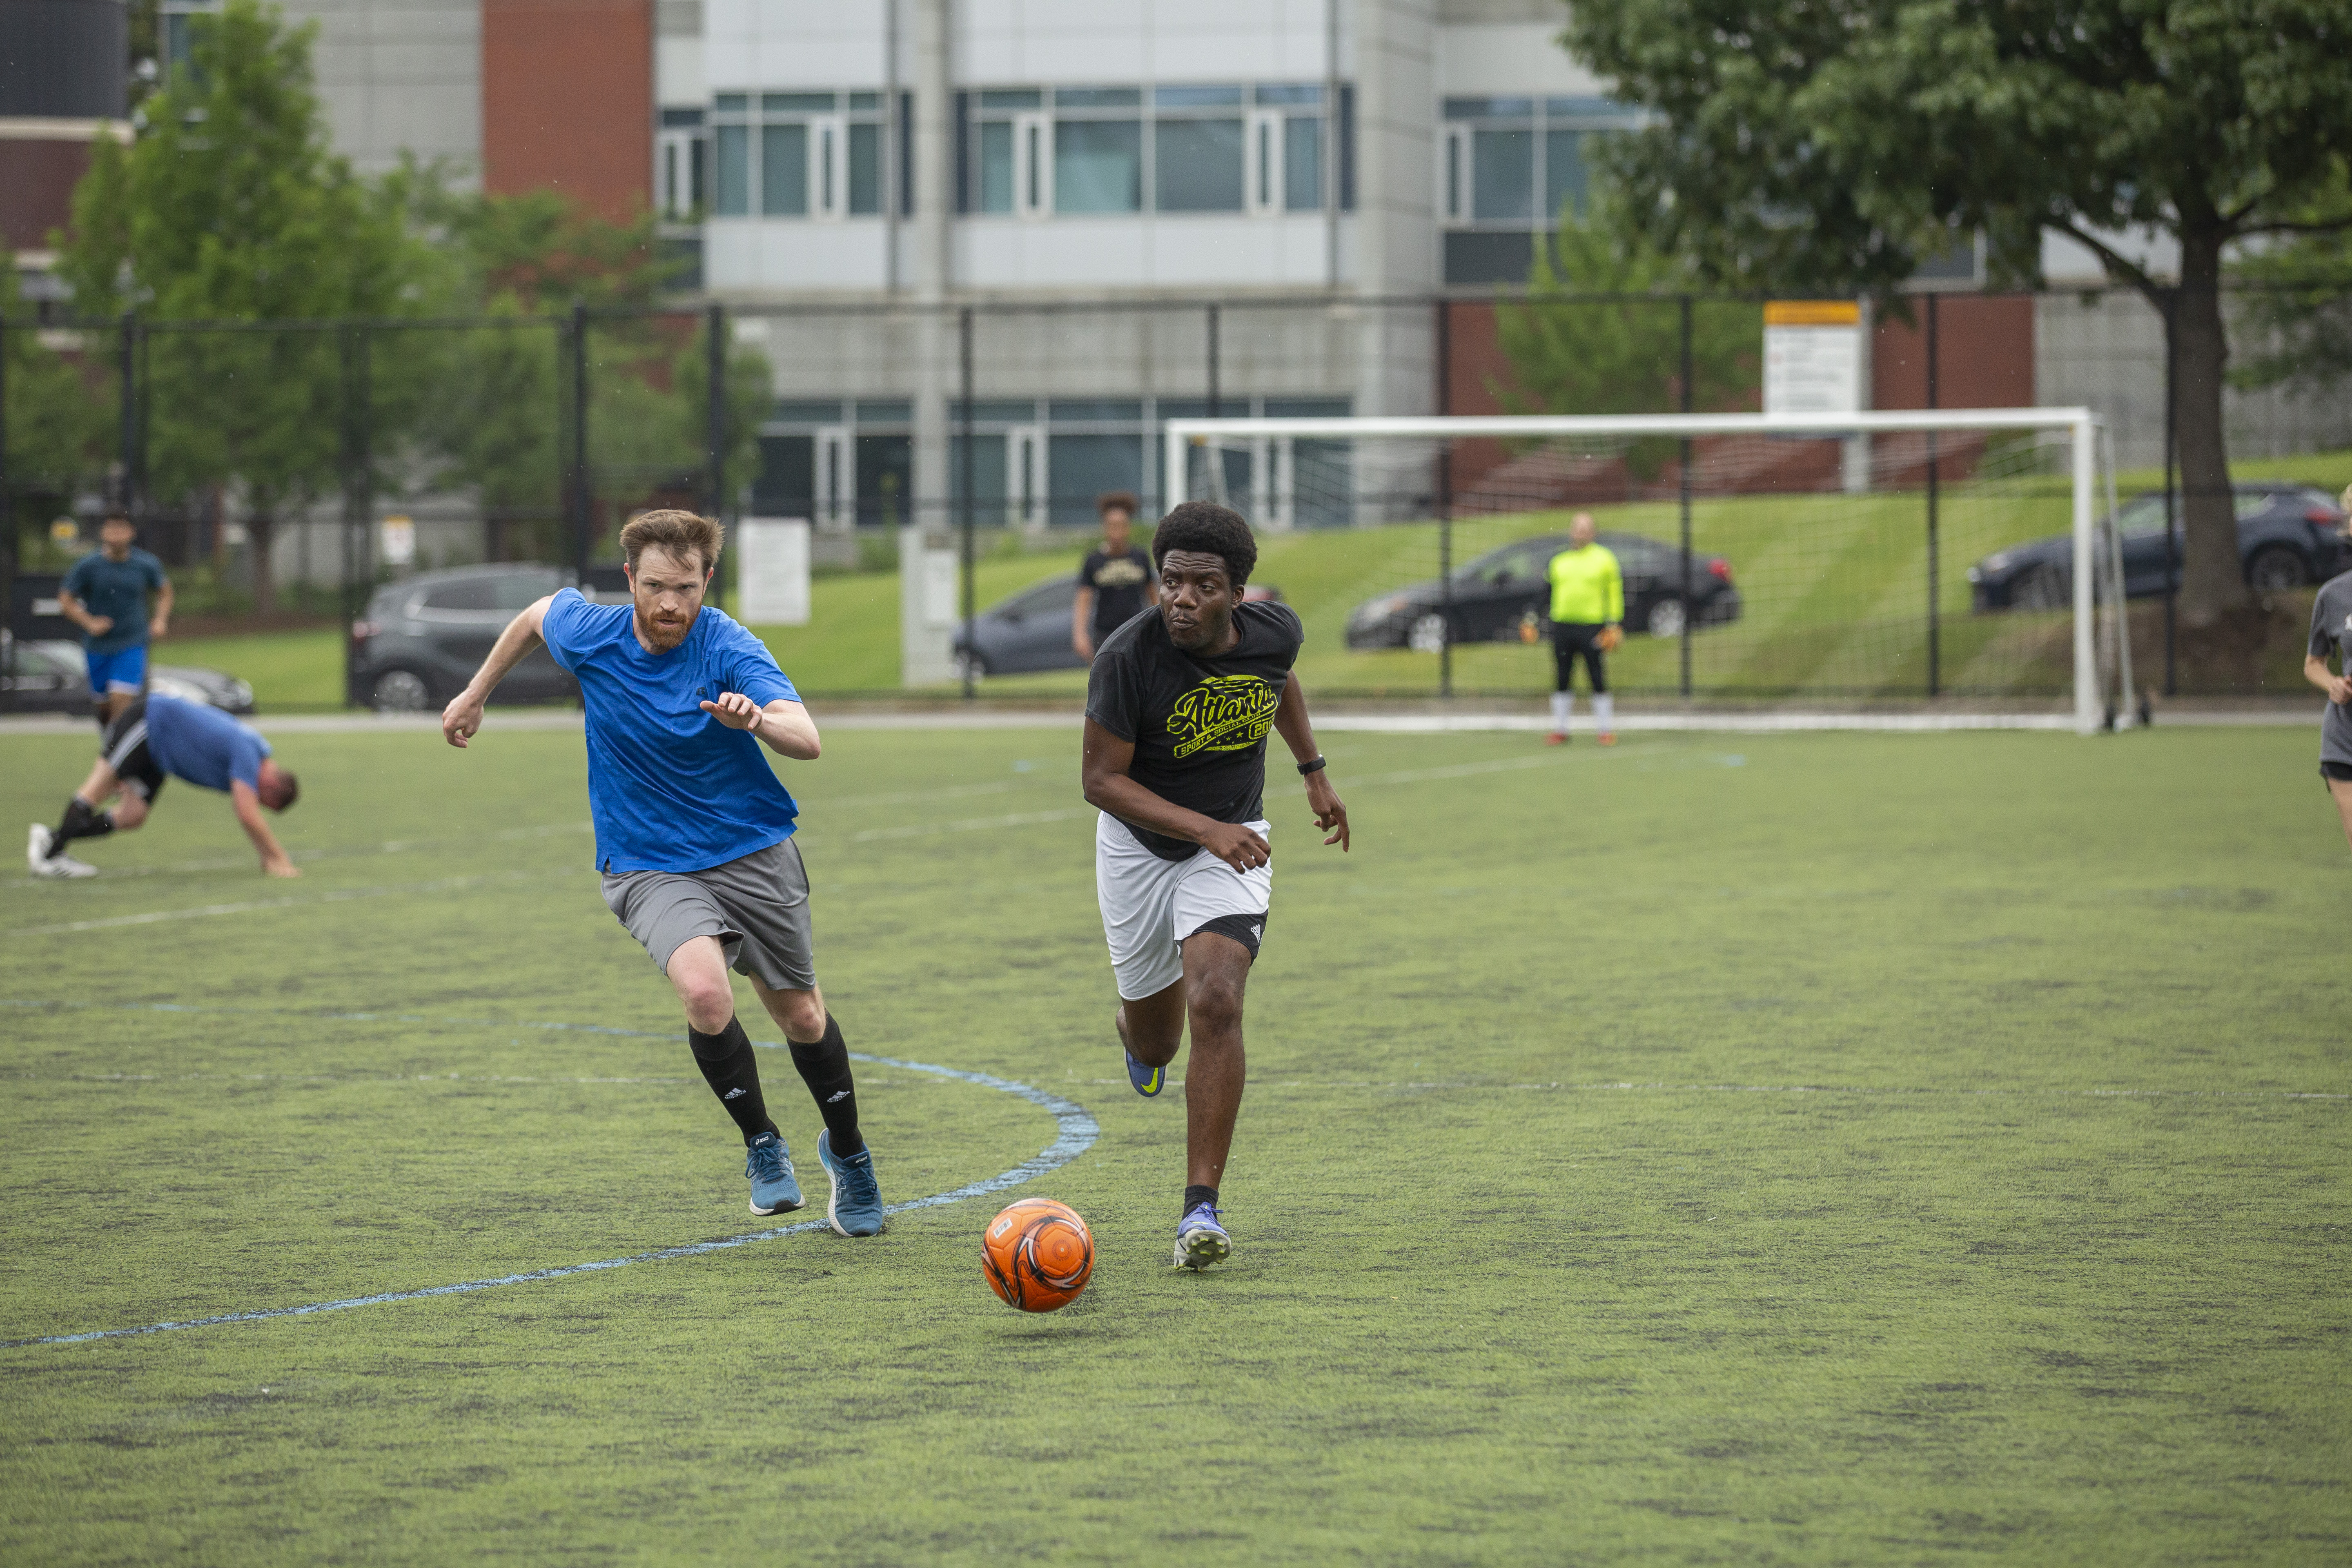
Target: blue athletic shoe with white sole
{"points": [[857, 1206], [769, 1163], [1200, 1239]]}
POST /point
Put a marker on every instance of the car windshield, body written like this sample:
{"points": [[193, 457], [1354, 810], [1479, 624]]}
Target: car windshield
{"points": [[466, 593], [1518, 563], [2141, 515]]}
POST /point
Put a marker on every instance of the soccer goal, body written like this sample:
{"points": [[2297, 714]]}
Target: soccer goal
{"points": [[1955, 567]]}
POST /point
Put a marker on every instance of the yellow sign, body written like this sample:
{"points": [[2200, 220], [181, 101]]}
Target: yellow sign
{"points": [[65, 533], [1813, 314]]}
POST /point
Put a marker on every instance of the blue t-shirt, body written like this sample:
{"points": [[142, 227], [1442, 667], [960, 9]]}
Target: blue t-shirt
{"points": [[671, 789], [200, 743], [115, 588]]}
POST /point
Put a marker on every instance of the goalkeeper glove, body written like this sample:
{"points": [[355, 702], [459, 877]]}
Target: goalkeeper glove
{"points": [[1610, 638]]}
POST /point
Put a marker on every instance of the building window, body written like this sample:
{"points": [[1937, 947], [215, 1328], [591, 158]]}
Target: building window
{"points": [[807, 154], [1199, 148], [837, 462], [1506, 169]]}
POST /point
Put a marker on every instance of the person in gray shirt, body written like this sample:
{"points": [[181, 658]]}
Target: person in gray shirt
{"points": [[2331, 633]]}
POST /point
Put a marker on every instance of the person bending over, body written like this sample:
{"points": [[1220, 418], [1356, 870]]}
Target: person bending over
{"points": [[156, 738], [695, 834]]}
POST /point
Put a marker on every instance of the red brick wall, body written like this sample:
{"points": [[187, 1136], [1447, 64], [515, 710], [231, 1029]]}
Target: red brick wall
{"points": [[1984, 354], [36, 181], [568, 100]]}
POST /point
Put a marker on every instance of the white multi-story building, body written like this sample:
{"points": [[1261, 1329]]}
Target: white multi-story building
{"points": [[1090, 175]]}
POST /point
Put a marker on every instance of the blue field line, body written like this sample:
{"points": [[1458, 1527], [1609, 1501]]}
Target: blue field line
{"points": [[1078, 1131]]}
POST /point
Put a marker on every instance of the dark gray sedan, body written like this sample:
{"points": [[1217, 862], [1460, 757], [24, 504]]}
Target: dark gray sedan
{"points": [[49, 677], [1488, 599], [2288, 535], [1031, 630], [421, 640]]}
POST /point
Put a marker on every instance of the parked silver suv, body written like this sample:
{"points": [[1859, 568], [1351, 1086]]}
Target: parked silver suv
{"points": [[422, 639]]}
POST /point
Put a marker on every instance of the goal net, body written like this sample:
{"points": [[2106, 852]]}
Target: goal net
{"points": [[1960, 564]]}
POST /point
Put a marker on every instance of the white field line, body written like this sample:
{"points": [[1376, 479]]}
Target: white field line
{"points": [[1859, 1091], [250, 906]]}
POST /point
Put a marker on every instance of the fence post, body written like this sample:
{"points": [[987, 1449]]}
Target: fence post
{"points": [[1445, 505], [2171, 548], [359, 500], [7, 501], [1690, 621], [583, 509], [715, 420], [1935, 562], [126, 352], [965, 520]]}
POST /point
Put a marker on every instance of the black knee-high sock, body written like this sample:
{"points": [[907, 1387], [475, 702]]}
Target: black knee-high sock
{"points": [[825, 1067], [727, 1061], [82, 820]]}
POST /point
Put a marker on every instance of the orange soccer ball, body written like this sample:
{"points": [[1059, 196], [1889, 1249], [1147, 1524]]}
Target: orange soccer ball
{"points": [[1037, 1255]]}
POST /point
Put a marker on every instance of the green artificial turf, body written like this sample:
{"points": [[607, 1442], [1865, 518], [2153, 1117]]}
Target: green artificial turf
{"points": [[1795, 1148]]}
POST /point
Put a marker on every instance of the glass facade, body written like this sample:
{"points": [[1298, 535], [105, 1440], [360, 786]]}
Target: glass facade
{"points": [[1509, 166], [796, 154]]}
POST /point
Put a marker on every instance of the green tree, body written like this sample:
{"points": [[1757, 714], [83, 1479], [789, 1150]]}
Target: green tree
{"points": [[2296, 319], [58, 407], [1571, 352], [230, 207], [1832, 145]]}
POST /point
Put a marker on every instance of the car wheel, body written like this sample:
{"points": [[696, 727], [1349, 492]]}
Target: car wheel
{"points": [[1666, 619], [2043, 588], [400, 691], [2274, 569], [1428, 634]]}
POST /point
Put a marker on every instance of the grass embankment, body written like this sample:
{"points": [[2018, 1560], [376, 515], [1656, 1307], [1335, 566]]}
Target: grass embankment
{"points": [[1835, 592]]}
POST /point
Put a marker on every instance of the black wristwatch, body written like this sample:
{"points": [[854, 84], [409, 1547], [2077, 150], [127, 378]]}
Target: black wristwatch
{"points": [[1314, 767]]}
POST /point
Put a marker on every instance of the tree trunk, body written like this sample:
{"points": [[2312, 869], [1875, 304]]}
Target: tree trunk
{"points": [[260, 532], [2213, 578]]}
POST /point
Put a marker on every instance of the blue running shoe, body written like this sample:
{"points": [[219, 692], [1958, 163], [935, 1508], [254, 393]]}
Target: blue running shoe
{"points": [[857, 1207], [1200, 1239], [1148, 1081], [770, 1165]]}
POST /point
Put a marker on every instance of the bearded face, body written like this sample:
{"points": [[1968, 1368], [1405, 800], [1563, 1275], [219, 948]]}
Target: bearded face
{"points": [[667, 591]]}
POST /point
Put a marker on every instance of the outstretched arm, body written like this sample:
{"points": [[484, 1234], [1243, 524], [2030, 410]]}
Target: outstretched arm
{"points": [[1082, 616], [1298, 733], [275, 861], [463, 716], [1102, 774]]}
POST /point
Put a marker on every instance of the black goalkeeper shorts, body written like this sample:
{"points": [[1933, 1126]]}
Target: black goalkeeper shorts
{"points": [[1571, 640]]}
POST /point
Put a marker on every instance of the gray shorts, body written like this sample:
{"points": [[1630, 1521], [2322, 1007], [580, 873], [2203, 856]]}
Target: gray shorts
{"points": [[758, 907]]}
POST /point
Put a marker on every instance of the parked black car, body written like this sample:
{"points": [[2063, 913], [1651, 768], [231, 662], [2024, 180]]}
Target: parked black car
{"points": [[422, 639], [1495, 593], [2288, 534], [44, 677], [1031, 630]]}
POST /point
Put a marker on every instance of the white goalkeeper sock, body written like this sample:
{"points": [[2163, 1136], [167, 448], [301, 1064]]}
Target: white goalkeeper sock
{"points": [[1563, 703], [1605, 711]]}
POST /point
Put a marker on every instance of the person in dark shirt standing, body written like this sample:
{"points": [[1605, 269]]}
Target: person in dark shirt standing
{"points": [[1179, 706], [2331, 633], [105, 594], [1115, 582]]}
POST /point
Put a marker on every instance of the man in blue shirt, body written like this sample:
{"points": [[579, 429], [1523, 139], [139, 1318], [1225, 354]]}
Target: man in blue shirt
{"points": [[105, 594], [694, 832], [162, 737]]}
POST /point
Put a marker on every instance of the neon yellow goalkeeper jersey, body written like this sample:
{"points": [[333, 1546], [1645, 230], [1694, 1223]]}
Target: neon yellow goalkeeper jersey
{"points": [[1586, 588]]}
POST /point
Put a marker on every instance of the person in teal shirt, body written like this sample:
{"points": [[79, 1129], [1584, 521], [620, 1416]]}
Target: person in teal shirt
{"points": [[1588, 617], [106, 595]]}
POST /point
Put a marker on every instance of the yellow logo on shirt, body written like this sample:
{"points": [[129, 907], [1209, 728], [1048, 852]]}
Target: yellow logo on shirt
{"points": [[1223, 713]]}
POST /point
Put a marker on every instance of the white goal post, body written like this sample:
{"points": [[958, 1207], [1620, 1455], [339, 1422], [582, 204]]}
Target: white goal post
{"points": [[2096, 566]]}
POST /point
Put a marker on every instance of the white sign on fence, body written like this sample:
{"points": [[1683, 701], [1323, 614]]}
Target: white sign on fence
{"points": [[773, 571], [1813, 356], [397, 541]]}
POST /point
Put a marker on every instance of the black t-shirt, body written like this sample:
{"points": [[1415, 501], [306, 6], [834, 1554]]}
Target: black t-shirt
{"points": [[1199, 725], [1118, 582]]}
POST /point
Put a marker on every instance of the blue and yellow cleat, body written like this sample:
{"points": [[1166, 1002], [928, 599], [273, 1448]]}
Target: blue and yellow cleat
{"points": [[1148, 1081], [1200, 1239], [857, 1206], [769, 1163]]}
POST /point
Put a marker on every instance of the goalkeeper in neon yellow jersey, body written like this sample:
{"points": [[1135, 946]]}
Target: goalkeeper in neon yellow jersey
{"points": [[1587, 615]]}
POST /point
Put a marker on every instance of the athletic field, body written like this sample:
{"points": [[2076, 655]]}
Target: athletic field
{"points": [[1839, 1149]]}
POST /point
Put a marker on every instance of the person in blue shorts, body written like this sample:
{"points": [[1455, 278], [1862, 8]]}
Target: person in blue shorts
{"points": [[694, 833], [106, 594], [162, 737]]}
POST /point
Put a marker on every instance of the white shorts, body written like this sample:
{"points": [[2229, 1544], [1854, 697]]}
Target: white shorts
{"points": [[1151, 905]]}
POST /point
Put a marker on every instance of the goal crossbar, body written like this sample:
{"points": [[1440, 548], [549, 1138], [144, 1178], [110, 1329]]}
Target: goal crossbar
{"points": [[2081, 426]]}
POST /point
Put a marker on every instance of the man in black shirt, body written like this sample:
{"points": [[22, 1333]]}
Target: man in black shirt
{"points": [[1115, 582], [1179, 706]]}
